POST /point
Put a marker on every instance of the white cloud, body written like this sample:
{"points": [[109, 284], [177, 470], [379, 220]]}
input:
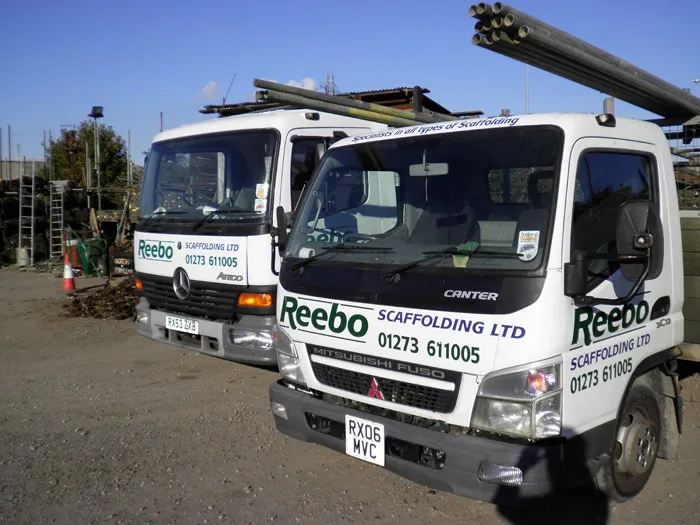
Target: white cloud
{"points": [[209, 91], [307, 83]]}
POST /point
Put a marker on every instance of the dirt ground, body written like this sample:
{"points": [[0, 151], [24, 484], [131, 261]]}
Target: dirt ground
{"points": [[99, 425]]}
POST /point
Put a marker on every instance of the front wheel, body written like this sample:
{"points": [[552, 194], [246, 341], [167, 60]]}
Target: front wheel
{"points": [[631, 460]]}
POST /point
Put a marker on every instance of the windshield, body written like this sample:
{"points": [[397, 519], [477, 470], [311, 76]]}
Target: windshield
{"points": [[483, 197], [191, 177]]}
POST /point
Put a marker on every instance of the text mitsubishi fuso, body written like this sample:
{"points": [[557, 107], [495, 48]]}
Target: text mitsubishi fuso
{"points": [[203, 254], [505, 322]]}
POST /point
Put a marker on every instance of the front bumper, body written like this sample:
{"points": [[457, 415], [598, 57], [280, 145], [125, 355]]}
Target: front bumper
{"points": [[213, 338], [541, 464]]}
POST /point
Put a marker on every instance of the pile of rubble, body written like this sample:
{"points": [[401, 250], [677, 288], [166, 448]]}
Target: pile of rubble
{"points": [[111, 302]]}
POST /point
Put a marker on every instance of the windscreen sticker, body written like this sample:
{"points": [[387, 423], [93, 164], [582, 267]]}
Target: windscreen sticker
{"points": [[260, 205], [261, 191], [528, 241]]}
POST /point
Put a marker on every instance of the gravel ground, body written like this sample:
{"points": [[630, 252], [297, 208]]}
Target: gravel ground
{"points": [[99, 425]]}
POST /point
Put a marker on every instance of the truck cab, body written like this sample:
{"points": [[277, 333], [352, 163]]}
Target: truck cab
{"points": [[203, 256], [504, 320]]}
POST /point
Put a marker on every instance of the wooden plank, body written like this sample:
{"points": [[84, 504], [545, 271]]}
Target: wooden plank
{"points": [[691, 287], [690, 240], [691, 263], [691, 352], [692, 331], [690, 223]]}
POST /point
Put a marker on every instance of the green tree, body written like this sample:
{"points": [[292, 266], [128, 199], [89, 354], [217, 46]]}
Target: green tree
{"points": [[69, 155]]}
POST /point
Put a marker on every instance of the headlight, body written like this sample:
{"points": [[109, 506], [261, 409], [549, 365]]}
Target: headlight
{"points": [[523, 403], [252, 339], [287, 358]]}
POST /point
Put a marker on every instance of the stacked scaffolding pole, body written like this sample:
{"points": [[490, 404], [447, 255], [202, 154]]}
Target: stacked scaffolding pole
{"points": [[339, 105], [514, 34]]}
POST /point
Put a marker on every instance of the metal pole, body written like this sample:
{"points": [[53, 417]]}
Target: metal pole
{"points": [[97, 166], [559, 65], [2, 164], [20, 244], [527, 88], [88, 174], [128, 158], [51, 170], [317, 105], [161, 121], [46, 164], [9, 152], [31, 229], [426, 117]]}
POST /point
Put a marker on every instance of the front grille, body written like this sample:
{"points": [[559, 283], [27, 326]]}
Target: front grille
{"points": [[417, 396], [206, 300]]}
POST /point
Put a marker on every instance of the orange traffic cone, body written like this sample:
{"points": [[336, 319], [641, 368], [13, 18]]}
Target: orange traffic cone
{"points": [[68, 280]]}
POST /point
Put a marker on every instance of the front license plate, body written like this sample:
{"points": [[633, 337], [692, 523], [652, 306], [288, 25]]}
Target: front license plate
{"points": [[182, 325], [364, 440]]}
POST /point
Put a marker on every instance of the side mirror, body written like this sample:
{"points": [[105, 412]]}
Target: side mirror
{"points": [[575, 275], [640, 237], [640, 246], [282, 237]]}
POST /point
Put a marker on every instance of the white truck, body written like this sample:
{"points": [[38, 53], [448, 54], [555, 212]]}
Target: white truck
{"points": [[202, 247], [506, 322]]}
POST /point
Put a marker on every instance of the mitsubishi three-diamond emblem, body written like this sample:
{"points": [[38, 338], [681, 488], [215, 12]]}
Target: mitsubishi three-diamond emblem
{"points": [[181, 284], [374, 390]]}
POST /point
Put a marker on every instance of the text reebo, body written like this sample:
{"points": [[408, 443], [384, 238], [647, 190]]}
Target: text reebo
{"points": [[320, 318], [596, 324], [155, 250]]}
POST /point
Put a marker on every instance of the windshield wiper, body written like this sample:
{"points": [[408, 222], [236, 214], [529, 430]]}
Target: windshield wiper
{"points": [[452, 250], [209, 216], [161, 213], [339, 248]]}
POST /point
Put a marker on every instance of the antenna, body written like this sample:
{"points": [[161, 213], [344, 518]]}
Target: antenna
{"points": [[329, 86], [229, 87]]}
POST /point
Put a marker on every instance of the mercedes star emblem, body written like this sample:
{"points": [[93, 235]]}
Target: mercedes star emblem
{"points": [[181, 284]]}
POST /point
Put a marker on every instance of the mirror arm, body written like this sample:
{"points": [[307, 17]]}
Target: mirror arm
{"points": [[273, 251], [588, 300]]}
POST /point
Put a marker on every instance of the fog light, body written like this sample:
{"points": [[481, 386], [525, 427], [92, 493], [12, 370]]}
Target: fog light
{"points": [[279, 410], [500, 474], [259, 340], [143, 317]]}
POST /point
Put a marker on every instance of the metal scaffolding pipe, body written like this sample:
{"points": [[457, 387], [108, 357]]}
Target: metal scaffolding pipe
{"points": [[484, 9], [558, 66], [481, 27], [426, 117], [678, 102], [550, 36], [501, 36], [482, 40], [337, 109], [509, 20], [479, 11], [564, 67]]}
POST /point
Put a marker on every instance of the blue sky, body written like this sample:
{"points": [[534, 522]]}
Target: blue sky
{"points": [[140, 57]]}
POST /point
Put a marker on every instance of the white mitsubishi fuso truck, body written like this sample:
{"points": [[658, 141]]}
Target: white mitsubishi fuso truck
{"points": [[202, 248], [505, 323]]}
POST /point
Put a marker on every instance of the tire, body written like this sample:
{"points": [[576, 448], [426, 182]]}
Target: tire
{"points": [[628, 466]]}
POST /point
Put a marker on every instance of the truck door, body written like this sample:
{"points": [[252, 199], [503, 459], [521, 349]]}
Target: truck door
{"points": [[606, 343]]}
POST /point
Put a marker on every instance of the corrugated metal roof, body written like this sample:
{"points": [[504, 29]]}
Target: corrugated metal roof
{"points": [[398, 97]]}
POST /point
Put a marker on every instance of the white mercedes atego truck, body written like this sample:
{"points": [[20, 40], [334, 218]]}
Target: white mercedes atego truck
{"points": [[505, 321], [202, 248]]}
